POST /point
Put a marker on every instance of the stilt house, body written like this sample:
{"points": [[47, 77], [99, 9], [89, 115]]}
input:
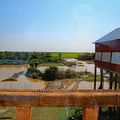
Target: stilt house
{"points": [[107, 56]]}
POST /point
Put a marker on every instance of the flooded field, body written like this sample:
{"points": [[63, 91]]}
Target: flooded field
{"points": [[6, 71]]}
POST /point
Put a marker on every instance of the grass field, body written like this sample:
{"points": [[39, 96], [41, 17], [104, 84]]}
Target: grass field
{"points": [[66, 55], [91, 78], [49, 114]]}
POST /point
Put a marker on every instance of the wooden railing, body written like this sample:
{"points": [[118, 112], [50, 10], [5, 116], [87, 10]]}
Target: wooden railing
{"points": [[90, 100]]}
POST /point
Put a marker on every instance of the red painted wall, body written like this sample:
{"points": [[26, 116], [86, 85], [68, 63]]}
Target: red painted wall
{"points": [[111, 46], [108, 66]]}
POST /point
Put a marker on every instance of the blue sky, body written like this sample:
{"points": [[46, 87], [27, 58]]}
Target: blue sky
{"points": [[56, 25]]}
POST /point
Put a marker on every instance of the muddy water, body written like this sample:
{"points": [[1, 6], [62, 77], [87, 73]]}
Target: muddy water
{"points": [[23, 82]]}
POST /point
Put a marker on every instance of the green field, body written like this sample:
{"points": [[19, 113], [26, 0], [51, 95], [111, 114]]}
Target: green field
{"points": [[66, 55], [49, 114], [91, 78]]}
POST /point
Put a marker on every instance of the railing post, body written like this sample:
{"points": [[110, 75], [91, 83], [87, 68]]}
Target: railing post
{"points": [[90, 113], [23, 113]]}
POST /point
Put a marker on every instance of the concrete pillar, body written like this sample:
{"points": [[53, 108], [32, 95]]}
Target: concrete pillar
{"points": [[90, 113], [23, 113]]}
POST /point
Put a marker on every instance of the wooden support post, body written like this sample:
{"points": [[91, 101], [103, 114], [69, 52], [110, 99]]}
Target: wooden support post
{"points": [[111, 80], [119, 82], [95, 74], [116, 77], [90, 113], [101, 79], [110, 87], [23, 113]]}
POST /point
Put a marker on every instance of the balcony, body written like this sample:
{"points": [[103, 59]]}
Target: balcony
{"points": [[90, 100]]}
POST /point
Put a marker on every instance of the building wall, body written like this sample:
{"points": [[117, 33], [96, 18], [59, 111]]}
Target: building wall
{"points": [[110, 46], [108, 55]]}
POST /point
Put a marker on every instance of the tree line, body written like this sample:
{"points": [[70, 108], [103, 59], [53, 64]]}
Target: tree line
{"points": [[27, 57], [40, 57]]}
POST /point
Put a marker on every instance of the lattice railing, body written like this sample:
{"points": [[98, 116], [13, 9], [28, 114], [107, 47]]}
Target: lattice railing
{"points": [[90, 100]]}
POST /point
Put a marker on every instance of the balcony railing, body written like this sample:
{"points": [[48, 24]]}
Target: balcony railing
{"points": [[90, 100]]}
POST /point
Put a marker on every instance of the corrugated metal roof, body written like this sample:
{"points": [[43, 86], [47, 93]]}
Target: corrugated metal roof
{"points": [[114, 35]]}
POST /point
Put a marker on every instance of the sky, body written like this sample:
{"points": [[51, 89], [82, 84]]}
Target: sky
{"points": [[56, 25]]}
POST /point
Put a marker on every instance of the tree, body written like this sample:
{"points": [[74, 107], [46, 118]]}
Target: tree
{"points": [[50, 73], [60, 56], [48, 57], [86, 56], [1, 56], [34, 60]]}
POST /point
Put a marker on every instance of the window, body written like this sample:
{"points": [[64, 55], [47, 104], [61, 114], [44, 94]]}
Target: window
{"points": [[98, 56], [116, 58], [106, 56]]}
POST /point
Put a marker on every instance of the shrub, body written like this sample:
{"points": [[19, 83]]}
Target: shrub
{"points": [[70, 73], [77, 115], [50, 73], [80, 74], [61, 74], [33, 72], [53, 73]]}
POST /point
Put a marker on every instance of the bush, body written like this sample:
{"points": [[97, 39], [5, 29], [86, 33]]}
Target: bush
{"points": [[34, 73], [53, 73], [70, 73], [80, 74], [86, 56], [50, 73], [61, 75], [77, 115]]}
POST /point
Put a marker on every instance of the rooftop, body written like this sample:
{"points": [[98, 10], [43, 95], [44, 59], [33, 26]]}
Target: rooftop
{"points": [[114, 35]]}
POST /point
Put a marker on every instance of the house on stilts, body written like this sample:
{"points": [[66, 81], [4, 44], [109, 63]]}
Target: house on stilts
{"points": [[107, 58]]}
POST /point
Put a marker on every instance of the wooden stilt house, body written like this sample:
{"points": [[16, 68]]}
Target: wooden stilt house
{"points": [[107, 57]]}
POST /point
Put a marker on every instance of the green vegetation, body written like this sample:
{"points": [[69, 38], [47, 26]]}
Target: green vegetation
{"points": [[50, 73], [13, 57], [91, 78], [76, 115], [80, 74], [33, 72], [7, 113], [54, 73], [42, 57], [86, 56], [66, 55], [43, 113]]}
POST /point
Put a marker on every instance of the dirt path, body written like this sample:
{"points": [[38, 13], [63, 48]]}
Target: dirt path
{"points": [[64, 84]]}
